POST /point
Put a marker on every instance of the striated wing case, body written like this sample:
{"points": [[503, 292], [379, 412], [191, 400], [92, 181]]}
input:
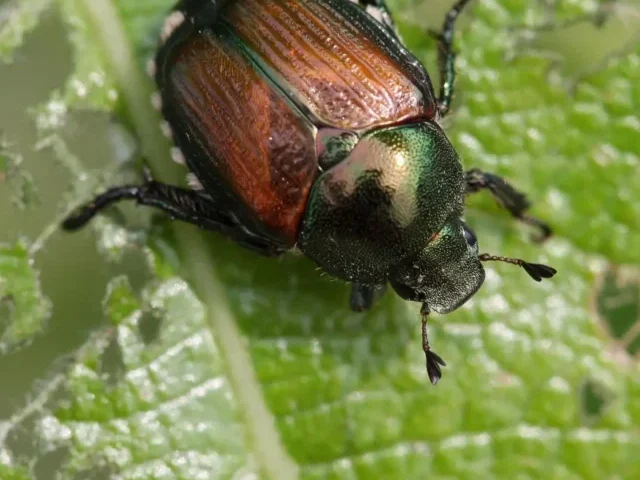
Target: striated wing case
{"points": [[246, 97]]}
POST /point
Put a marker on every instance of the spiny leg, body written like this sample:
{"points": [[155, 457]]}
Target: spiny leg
{"points": [[508, 197], [186, 16], [181, 204], [383, 13], [434, 361], [363, 297], [447, 57], [201, 12]]}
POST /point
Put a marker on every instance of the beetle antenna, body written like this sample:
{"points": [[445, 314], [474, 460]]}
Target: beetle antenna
{"points": [[537, 271]]}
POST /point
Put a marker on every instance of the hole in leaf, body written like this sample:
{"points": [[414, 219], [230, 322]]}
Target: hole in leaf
{"points": [[612, 21], [594, 399], [149, 325], [634, 346], [50, 461], [111, 362], [100, 470], [21, 438], [617, 303], [7, 310]]}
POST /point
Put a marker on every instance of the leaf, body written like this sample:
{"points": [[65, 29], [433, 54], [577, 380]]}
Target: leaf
{"points": [[231, 366], [23, 308], [17, 19], [11, 473], [173, 409], [24, 192]]}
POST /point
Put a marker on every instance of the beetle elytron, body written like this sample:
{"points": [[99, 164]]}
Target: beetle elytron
{"points": [[307, 124]]}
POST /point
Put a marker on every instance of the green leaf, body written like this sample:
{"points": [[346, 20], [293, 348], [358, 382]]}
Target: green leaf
{"points": [[226, 365], [12, 172], [10, 473], [17, 19], [23, 308], [171, 410]]}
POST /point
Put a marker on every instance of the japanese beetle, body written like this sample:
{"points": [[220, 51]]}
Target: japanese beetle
{"points": [[307, 124]]}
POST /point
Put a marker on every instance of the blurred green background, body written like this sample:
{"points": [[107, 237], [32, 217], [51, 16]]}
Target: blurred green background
{"points": [[74, 275]]}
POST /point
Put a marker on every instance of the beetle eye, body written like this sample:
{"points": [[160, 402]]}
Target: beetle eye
{"points": [[470, 237]]}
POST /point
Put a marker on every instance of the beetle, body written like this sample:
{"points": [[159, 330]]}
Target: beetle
{"points": [[308, 125]]}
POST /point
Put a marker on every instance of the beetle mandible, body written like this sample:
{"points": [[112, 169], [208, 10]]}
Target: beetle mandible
{"points": [[307, 124]]}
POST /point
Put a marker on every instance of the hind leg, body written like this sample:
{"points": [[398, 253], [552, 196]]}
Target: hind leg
{"points": [[181, 204]]}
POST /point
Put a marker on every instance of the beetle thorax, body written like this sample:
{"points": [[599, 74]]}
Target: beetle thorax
{"points": [[383, 202]]}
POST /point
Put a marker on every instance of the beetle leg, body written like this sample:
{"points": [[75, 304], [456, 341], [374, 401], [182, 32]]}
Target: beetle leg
{"points": [[181, 204], [447, 56], [364, 296], [205, 12], [187, 15], [434, 361], [508, 197], [378, 9]]}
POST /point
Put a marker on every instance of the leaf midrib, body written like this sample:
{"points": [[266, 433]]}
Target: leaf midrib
{"points": [[198, 265]]}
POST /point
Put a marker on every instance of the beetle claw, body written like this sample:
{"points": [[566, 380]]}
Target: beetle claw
{"points": [[146, 173], [544, 230], [434, 361], [539, 238]]}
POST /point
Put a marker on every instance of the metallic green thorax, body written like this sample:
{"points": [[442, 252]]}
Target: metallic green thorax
{"points": [[382, 204]]}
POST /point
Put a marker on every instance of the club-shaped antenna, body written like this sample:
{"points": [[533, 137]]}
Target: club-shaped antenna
{"points": [[537, 271]]}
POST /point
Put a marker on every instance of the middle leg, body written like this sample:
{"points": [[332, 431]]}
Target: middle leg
{"points": [[508, 197], [447, 57]]}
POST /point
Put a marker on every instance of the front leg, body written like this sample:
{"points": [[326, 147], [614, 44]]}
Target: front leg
{"points": [[200, 12], [433, 360], [363, 297], [508, 197]]}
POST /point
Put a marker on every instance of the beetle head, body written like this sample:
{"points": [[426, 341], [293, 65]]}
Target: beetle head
{"points": [[448, 271], [444, 274], [383, 201]]}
